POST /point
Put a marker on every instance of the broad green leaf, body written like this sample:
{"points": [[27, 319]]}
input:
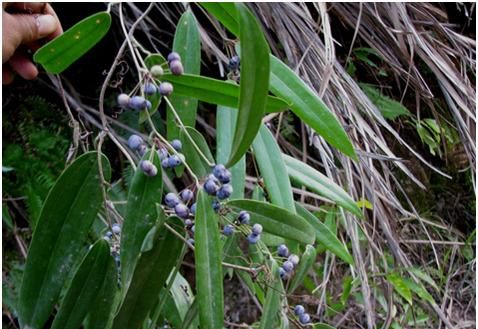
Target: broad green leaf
{"points": [[58, 54], [141, 215], [66, 217], [209, 279], [84, 287], [325, 236], [424, 277], [322, 326], [225, 121], [182, 298], [150, 61], [276, 220], [193, 157], [191, 315], [187, 44], [306, 261], [254, 86], [273, 170], [419, 289], [304, 174], [215, 91], [150, 275], [225, 12], [390, 109], [305, 103], [400, 287], [272, 305]]}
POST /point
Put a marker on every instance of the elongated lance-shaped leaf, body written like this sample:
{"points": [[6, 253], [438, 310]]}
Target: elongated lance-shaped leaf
{"points": [[400, 287], [304, 174], [179, 301], [225, 121], [61, 52], [194, 159], [276, 220], [150, 61], [141, 214], [273, 170], [66, 217], [187, 43], [325, 236], [254, 85], [307, 260], [84, 287], [225, 12], [150, 274], [272, 305], [209, 280], [215, 91]]}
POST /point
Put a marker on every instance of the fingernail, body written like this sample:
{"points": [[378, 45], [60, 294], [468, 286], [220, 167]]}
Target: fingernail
{"points": [[46, 24]]}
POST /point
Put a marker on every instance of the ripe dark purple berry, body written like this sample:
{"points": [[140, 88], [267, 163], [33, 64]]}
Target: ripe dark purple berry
{"points": [[216, 205], [148, 105], [211, 187], [150, 89], [142, 149], [123, 100], [225, 176], [173, 56], [174, 161], [224, 192], [176, 67], [228, 230], [148, 168], [188, 223], [288, 266], [165, 163], [282, 250], [181, 210], [252, 238], [193, 229], [282, 273], [171, 200], [134, 142], [109, 234], [116, 228], [257, 229], [187, 195], [162, 153], [165, 89], [304, 318], [176, 144], [294, 259], [234, 63], [157, 71], [137, 103], [193, 208], [299, 309], [244, 217]]}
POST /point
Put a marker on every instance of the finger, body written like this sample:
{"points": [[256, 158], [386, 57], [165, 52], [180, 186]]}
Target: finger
{"points": [[28, 28], [59, 30], [7, 75], [23, 66], [28, 7]]}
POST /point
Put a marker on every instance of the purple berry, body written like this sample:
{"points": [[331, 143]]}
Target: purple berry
{"points": [[148, 168], [148, 105], [171, 200], [188, 222], [193, 228], [299, 310], [181, 210], [134, 142], [157, 71], [304, 318], [137, 103], [165, 163], [228, 230], [176, 67], [193, 208], [244, 217], [165, 89], [142, 149], [109, 234], [191, 242], [187, 195], [218, 169], [173, 56], [252, 238], [257, 229], [225, 177], [150, 89], [282, 273], [176, 144], [211, 187], [216, 205], [288, 266], [116, 228], [282, 250], [162, 153], [123, 100], [174, 161], [234, 63], [294, 259], [224, 192]]}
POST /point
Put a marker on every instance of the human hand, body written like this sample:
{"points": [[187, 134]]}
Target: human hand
{"points": [[24, 25]]}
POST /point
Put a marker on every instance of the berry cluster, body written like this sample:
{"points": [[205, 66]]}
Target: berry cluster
{"points": [[179, 204], [288, 266], [171, 160], [217, 184], [304, 318]]}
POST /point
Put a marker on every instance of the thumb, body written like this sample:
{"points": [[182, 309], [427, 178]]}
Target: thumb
{"points": [[29, 28]]}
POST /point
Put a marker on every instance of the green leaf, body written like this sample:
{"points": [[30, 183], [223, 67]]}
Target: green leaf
{"points": [[182, 297], [141, 215], [304, 174], [58, 54], [419, 289], [400, 287], [84, 287], [272, 304], [187, 44], [225, 121], [191, 315], [389, 108], [273, 169], [150, 61], [322, 326], [150, 275], [424, 277], [276, 220], [215, 91], [225, 12], [306, 262], [254, 86], [66, 217], [325, 236], [193, 158], [209, 280]]}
